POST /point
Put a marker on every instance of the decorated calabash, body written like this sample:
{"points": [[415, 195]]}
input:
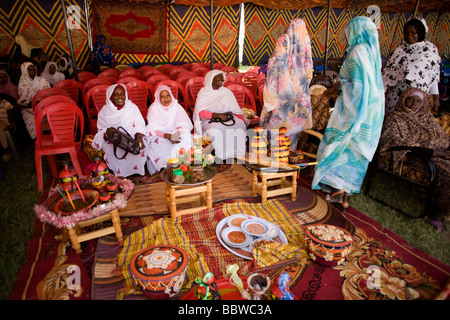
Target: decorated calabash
{"points": [[159, 270], [328, 244]]}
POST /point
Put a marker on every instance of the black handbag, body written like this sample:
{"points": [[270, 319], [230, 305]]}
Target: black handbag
{"points": [[123, 140], [230, 118]]}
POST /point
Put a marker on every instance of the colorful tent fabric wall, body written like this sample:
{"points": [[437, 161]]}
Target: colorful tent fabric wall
{"points": [[42, 24], [263, 27], [189, 34]]}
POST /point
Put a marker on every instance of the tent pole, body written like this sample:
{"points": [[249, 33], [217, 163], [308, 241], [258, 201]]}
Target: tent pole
{"points": [[88, 24], [416, 8], [211, 19], [326, 38], [69, 39]]}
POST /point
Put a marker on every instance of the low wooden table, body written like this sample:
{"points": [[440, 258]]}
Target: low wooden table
{"points": [[76, 238], [271, 176], [189, 192]]}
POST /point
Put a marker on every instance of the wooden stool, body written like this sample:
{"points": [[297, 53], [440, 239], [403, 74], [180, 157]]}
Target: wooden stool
{"points": [[177, 194], [269, 179], [77, 238]]}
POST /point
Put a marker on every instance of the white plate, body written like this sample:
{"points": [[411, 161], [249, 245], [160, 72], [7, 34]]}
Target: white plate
{"points": [[247, 223], [248, 239], [235, 216], [223, 223]]}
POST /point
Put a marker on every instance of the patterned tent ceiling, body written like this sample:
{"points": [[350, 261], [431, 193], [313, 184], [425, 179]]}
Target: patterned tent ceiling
{"points": [[385, 5]]}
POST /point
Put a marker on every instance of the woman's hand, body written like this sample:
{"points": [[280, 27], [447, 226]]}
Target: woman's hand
{"points": [[139, 138], [222, 116], [168, 136]]}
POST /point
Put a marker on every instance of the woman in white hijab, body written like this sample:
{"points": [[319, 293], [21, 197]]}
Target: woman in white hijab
{"points": [[52, 74], [214, 102], [29, 84], [120, 111], [169, 129]]}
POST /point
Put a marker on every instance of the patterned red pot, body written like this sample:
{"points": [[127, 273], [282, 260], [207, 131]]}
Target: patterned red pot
{"points": [[160, 270], [328, 245]]}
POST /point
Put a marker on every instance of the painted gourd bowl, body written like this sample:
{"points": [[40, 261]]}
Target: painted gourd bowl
{"points": [[160, 270], [328, 245]]}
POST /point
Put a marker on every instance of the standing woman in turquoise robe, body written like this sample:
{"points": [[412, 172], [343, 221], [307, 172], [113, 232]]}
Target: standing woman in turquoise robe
{"points": [[354, 128]]}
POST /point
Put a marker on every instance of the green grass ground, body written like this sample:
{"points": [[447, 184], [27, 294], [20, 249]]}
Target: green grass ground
{"points": [[18, 194]]}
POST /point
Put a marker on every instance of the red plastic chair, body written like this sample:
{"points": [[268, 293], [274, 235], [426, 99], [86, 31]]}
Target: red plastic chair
{"points": [[229, 79], [174, 72], [131, 72], [73, 88], [145, 68], [94, 100], [183, 77], [192, 88], [245, 99], [41, 94], [47, 101], [250, 81], [201, 72], [139, 93], [151, 72], [66, 123], [187, 66], [110, 72], [165, 68], [197, 65], [155, 79], [95, 82], [178, 91], [127, 79], [84, 76], [229, 69], [218, 65]]}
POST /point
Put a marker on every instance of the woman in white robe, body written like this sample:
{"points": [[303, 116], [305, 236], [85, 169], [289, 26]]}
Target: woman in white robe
{"points": [[120, 111], [169, 129], [52, 74], [213, 102], [29, 84]]}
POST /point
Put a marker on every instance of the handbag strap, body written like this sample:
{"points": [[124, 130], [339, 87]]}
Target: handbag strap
{"points": [[115, 144]]}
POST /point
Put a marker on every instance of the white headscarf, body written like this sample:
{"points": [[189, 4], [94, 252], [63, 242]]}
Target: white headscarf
{"points": [[52, 78], [25, 46], [129, 117], [167, 118], [214, 100], [28, 87]]}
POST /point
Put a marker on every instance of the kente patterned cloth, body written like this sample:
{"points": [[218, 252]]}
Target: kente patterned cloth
{"points": [[354, 128], [196, 234], [137, 28]]}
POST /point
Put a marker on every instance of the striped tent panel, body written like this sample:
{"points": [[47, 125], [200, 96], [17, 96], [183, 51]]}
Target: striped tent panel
{"points": [[189, 34], [42, 24], [260, 23]]}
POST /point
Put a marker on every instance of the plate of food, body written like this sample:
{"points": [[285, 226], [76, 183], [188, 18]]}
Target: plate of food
{"points": [[273, 233], [235, 237], [254, 227], [236, 219]]}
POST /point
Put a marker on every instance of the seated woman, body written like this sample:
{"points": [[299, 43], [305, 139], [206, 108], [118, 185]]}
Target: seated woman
{"points": [[8, 96], [415, 63], [29, 84], [119, 111], [214, 105], [51, 74], [413, 125], [169, 129]]}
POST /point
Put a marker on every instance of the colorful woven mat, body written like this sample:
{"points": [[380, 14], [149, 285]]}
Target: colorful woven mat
{"points": [[196, 234]]}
